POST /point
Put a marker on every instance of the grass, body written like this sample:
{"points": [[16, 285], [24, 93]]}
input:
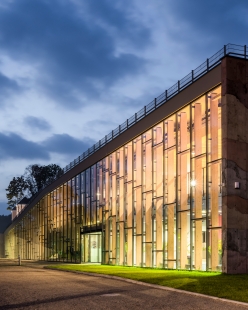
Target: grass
{"points": [[233, 287]]}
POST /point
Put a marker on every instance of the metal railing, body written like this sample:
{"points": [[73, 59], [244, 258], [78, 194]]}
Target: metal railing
{"points": [[229, 49], [209, 64]]}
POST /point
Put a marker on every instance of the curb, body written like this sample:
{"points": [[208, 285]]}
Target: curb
{"points": [[156, 286]]}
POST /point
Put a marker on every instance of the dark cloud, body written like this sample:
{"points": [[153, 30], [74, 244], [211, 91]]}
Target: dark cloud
{"points": [[119, 20], [65, 144], [7, 87], [74, 52], [37, 123], [209, 24], [14, 146]]}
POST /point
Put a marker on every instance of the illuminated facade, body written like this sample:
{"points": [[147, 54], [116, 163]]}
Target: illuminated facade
{"points": [[155, 196]]}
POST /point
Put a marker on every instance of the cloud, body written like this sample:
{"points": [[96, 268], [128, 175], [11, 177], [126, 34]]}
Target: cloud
{"points": [[210, 25], [37, 123], [65, 144], [79, 54], [14, 146], [119, 20], [7, 86]]}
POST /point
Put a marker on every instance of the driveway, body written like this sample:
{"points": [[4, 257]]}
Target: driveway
{"points": [[23, 287]]}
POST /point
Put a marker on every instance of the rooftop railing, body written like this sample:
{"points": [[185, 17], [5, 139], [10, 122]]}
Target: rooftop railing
{"points": [[210, 63]]}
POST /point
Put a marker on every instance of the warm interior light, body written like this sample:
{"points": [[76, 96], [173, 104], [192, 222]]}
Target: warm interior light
{"points": [[193, 183]]}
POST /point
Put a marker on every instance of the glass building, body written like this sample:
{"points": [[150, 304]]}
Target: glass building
{"points": [[156, 195]]}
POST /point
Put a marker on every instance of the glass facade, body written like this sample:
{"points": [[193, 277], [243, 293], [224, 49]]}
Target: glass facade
{"points": [[154, 202]]}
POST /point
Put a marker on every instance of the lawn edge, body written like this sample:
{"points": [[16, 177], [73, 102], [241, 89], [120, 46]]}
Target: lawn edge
{"points": [[157, 286]]}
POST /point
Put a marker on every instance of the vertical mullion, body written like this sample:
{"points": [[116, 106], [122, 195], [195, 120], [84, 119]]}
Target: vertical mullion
{"points": [[177, 220], [142, 206], [67, 230], [163, 212], [153, 205], [207, 185], [191, 189], [133, 197], [63, 222]]}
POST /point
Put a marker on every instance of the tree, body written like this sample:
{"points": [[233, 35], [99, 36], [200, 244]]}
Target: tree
{"points": [[34, 179], [16, 191], [38, 177]]}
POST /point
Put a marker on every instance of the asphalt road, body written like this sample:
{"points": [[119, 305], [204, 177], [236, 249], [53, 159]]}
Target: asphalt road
{"points": [[31, 288]]}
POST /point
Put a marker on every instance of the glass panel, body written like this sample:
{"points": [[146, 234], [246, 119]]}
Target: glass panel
{"points": [[170, 236], [157, 200], [215, 250], [199, 244], [91, 247]]}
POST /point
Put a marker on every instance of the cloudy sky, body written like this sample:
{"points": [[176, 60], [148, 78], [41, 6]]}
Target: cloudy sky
{"points": [[73, 70]]}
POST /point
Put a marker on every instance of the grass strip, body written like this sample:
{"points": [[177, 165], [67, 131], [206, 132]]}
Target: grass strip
{"points": [[217, 284]]}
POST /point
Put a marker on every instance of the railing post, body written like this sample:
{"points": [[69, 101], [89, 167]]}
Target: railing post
{"points": [[112, 134], [224, 50], [245, 51], [119, 129], [192, 76], [99, 143], [135, 117], [145, 110], [178, 86], [105, 139], [155, 102], [166, 95], [207, 64]]}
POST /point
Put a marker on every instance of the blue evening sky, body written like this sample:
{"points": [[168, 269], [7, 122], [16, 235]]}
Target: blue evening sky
{"points": [[73, 70]]}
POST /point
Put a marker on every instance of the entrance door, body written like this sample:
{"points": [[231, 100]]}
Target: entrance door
{"points": [[92, 248]]}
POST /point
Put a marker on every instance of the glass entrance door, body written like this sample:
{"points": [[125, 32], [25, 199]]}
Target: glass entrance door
{"points": [[92, 247]]}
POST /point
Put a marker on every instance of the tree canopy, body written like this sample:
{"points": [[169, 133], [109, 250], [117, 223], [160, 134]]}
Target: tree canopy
{"points": [[34, 179]]}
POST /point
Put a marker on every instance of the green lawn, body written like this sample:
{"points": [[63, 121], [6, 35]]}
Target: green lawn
{"points": [[210, 283]]}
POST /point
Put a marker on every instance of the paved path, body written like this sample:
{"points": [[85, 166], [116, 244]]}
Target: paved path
{"points": [[22, 287]]}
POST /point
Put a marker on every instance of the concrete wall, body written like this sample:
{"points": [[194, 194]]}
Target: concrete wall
{"points": [[235, 164]]}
